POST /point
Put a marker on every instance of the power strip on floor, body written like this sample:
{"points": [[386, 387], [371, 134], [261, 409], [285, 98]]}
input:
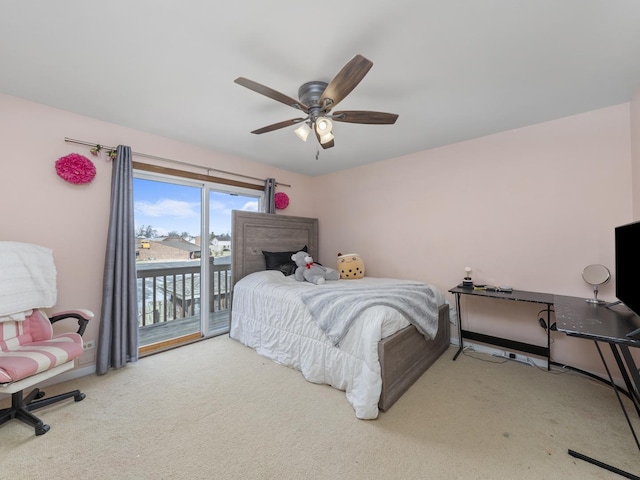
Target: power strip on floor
{"points": [[516, 357]]}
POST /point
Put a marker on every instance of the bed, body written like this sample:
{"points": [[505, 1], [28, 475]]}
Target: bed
{"points": [[379, 357]]}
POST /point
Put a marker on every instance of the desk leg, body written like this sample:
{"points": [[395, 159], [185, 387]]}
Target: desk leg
{"points": [[627, 382], [591, 460], [603, 465], [635, 377], [460, 345], [548, 337]]}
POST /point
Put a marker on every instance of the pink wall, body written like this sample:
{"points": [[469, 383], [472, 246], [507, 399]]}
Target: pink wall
{"points": [[38, 207], [528, 208]]}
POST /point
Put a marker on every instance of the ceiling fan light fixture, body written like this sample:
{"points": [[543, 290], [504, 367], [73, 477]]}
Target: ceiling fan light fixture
{"points": [[303, 131], [323, 126], [326, 138], [323, 129]]}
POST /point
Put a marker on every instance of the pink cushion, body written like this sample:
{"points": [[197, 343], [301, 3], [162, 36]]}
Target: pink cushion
{"points": [[13, 334], [40, 327], [27, 347]]}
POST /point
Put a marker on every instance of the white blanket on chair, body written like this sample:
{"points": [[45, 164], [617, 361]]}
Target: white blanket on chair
{"points": [[27, 279]]}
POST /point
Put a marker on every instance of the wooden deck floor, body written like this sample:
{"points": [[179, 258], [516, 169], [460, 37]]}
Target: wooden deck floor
{"points": [[149, 334]]}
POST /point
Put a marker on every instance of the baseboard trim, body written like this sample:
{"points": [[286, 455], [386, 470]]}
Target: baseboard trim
{"points": [[70, 375]]}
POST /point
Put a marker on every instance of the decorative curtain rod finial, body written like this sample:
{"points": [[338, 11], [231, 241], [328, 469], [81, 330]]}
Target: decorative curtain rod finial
{"points": [[96, 150]]}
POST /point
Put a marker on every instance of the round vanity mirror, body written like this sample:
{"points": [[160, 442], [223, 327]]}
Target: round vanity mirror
{"points": [[596, 275]]}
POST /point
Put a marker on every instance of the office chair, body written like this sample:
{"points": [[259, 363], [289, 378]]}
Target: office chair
{"points": [[30, 353]]}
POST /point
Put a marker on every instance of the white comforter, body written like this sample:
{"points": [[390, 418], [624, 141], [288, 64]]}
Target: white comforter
{"points": [[269, 316]]}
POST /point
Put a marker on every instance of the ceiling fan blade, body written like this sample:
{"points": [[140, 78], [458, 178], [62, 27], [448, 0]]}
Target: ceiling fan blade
{"points": [[345, 81], [362, 116], [277, 126], [271, 93]]}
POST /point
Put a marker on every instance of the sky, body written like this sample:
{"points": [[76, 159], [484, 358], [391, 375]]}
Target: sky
{"points": [[168, 207]]}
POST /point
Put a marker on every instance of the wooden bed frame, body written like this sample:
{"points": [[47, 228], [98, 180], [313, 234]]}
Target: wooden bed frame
{"points": [[404, 356]]}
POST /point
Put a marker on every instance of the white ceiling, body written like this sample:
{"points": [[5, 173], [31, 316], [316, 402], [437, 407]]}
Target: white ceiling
{"points": [[452, 69]]}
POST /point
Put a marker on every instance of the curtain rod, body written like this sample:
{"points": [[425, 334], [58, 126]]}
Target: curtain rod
{"points": [[154, 157]]}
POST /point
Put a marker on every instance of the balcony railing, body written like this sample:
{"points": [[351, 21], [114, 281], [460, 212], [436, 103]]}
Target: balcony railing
{"points": [[170, 291]]}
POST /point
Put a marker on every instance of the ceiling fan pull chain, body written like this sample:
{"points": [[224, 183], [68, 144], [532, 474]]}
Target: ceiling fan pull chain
{"points": [[317, 154]]}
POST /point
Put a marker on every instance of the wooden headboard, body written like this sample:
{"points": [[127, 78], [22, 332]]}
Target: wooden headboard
{"points": [[252, 232]]}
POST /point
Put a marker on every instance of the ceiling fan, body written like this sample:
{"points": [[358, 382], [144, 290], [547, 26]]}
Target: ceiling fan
{"points": [[316, 99]]}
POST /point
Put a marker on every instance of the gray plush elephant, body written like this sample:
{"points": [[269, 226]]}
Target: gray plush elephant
{"points": [[312, 272]]}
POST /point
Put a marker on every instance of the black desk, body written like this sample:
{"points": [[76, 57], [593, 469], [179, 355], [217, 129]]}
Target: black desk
{"points": [[578, 318], [517, 296]]}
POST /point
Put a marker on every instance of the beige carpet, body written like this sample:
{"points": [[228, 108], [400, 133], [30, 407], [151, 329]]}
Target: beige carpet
{"points": [[217, 410]]}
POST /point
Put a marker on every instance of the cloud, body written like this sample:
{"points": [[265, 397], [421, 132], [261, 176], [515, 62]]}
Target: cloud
{"points": [[166, 215], [167, 207], [222, 209], [250, 206]]}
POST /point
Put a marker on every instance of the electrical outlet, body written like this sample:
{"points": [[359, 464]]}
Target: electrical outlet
{"points": [[89, 345]]}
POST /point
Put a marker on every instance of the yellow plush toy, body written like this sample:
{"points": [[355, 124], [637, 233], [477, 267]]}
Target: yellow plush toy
{"points": [[350, 266]]}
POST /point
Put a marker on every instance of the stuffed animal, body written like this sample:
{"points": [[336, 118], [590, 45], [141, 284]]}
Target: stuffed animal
{"points": [[350, 266], [312, 272]]}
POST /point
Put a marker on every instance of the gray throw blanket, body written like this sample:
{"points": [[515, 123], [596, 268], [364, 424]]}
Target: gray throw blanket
{"points": [[335, 309]]}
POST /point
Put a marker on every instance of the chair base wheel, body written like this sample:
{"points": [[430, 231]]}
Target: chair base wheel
{"points": [[41, 430], [21, 407]]}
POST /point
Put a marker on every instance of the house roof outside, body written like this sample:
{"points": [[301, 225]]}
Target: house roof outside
{"points": [[179, 243]]}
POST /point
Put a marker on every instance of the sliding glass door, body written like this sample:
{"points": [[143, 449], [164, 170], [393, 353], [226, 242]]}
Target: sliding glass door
{"points": [[183, 257], [219, 206]]}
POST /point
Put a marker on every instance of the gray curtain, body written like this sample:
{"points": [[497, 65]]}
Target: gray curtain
{"points": [[269, 194], [118, 337]]}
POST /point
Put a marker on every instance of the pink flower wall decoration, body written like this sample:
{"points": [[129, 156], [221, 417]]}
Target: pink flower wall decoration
{"points": [[75, 168], [282, 200]]}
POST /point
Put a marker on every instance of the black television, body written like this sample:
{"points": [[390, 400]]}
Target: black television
{"points": [[627, 244]]}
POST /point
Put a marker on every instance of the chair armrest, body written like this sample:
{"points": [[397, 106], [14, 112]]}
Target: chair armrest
{"points": [[83, 317]]}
